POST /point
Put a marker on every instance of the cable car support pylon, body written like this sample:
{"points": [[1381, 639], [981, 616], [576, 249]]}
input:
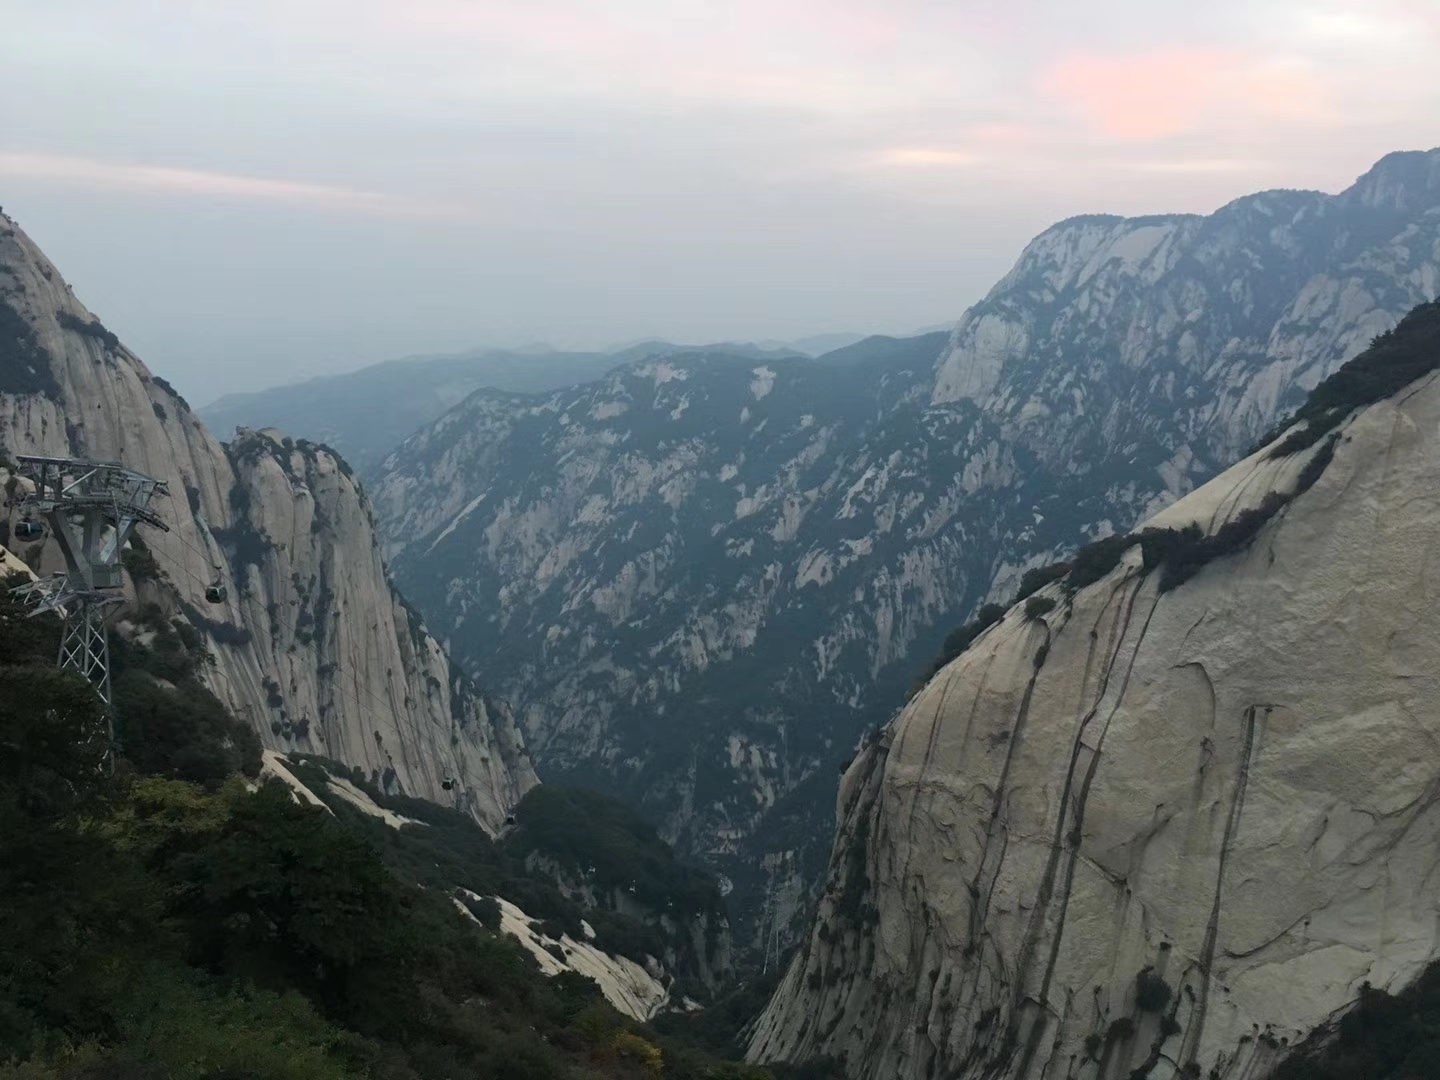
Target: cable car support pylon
{"points": [[91, 508]]}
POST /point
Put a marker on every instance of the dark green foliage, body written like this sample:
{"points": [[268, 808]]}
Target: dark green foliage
{"points": [[176, 728], [1093, 1045], [24, 364], [1182, 553], [719, 1027], [286, 898], [94, 329], [53, 730], [1316, 466], [25, 640], [625, 935], [1120, 1030], [247, 545], [154, 930], [1036, 579], [485, 909], [182, 732], [608, 843], [451, 852], [1095, 560], [1152, 993], [158, 381], [1383, 1037], [1090, 564], [1037, 606], [1394, 360], [139, 562]]}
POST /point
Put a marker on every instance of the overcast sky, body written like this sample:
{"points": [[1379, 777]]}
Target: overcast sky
{"points": [[252, 191]]}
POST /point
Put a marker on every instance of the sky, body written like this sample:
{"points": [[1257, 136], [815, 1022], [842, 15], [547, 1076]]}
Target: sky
{"points": [[255, 191]]}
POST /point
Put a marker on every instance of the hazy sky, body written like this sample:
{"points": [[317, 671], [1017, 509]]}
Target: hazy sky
{"points": [[252, 191]]}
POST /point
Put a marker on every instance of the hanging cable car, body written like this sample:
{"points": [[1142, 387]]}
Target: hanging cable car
{"points": [[216, 592], [29, 530]]}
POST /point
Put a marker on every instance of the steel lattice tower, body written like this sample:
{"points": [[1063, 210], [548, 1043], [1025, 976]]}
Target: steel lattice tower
{"points": [[91, 507]]}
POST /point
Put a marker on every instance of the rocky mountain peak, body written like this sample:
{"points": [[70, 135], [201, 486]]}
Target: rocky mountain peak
{"points": [[1406, 181], [312, 644]]}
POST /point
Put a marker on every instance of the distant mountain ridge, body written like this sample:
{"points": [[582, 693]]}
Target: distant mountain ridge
{"points": [[365, 414], [700, 580]]}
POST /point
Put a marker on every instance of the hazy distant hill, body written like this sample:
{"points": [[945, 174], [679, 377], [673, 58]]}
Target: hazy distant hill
{"points": [[365, 414]]}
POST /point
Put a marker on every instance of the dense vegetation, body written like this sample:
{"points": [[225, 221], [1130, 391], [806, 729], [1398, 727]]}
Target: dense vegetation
{"points": [[1384, 1037], [448, 851], [164, 920], [611, 845], [94, 329], [24, 364]]}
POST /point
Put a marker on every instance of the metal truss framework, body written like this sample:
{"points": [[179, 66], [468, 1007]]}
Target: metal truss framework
{"points": [[91, 507]]}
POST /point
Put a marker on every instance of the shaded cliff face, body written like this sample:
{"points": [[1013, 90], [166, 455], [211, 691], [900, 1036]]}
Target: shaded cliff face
{"points": [[1161, 833], [313, 646], [701, 580]]}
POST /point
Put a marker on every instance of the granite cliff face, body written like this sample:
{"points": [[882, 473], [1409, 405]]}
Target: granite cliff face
{"points": [[700, 579], [1158, 825], [1191, 334], [313, 645]]}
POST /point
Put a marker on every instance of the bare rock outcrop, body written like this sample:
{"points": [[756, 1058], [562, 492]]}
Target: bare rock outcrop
{"points": [[313, 646], [1156, 832]]}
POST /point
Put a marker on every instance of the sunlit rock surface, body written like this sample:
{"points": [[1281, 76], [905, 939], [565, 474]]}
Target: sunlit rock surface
{"points": [[1229, 788]]}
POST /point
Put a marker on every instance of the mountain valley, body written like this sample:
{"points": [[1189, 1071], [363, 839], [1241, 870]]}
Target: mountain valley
{"points": [[1053, 696], [700, 580]]}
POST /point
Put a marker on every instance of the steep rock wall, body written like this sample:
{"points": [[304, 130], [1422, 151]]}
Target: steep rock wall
{"points": [[313, 645], [1156, 834]]}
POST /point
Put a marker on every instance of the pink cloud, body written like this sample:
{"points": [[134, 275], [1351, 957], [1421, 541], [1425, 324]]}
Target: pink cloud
{"points": [[1140, 97], [1171, 91], [1423, 13]]}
